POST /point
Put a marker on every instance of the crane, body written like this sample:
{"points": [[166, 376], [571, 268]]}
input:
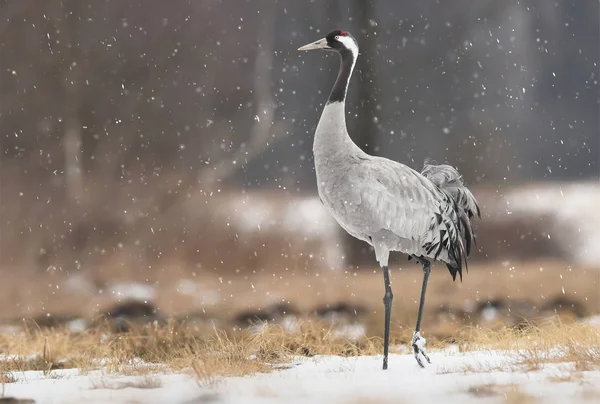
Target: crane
{"points": [[385, 203]]}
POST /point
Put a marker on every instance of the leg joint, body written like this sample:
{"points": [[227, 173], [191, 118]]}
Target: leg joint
{"points": [[389, 296], [426, 267]]}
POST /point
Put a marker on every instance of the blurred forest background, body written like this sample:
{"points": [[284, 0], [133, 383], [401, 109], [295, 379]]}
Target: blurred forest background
{"points": [[155, 141]]}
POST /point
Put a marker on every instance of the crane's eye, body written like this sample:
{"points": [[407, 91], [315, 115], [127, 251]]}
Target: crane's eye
{"points": [[337, 37]]}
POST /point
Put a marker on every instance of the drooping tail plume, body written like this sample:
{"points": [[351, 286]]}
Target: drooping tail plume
{"points": [[449, 181]]}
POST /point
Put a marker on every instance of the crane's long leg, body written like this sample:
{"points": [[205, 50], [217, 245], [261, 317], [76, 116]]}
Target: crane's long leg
{"points": [[418, 343], [387, 304]]}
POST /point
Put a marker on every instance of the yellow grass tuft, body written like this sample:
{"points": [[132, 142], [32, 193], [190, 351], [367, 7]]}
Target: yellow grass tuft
{"points": [[549, 342], [211, 354], [175, 346], [271, 348]]}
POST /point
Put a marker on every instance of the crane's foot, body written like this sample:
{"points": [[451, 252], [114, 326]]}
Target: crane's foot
{"points": [[418, 345]]}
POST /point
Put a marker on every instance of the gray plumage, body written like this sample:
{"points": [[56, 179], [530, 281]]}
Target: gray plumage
{"points": [[389, 205], [385, 203]]}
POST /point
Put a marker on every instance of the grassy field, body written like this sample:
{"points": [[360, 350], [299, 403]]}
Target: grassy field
{"points": [[210, 353], [56, 364], [531, 311]]}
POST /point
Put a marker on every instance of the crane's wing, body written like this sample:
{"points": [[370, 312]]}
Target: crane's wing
{"points": [[414, 208]]}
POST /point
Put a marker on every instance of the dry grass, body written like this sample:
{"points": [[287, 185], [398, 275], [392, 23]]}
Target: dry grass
{"points": [[532, 347], [174, 347], [211, 354], [535, 345], [6, 378], [224, 355], [272, 348], [41, 360]]}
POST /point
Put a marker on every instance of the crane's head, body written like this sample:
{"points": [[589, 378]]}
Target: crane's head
{"points": [[337, 41]]}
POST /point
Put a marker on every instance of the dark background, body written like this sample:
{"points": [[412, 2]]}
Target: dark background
{"points": [[127, 126], [506, 90]]}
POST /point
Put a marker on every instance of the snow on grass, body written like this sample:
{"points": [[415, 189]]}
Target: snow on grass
{"points": [[477, 377], [360, 379], [553, 362]]}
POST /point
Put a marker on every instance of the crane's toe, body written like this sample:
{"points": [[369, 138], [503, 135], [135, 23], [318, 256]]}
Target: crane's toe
{"points": [[418, 345]]}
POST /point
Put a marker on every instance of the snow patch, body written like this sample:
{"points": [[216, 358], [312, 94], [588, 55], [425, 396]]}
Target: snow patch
{"points": [[453, 377], [575, 209], [133, 291]]}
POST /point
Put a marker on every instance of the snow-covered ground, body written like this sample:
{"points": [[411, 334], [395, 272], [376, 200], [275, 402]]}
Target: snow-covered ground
{"points": [[451, 378]]}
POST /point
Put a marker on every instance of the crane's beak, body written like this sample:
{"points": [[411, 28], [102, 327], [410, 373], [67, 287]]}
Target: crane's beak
{"points": [[320, 44]]}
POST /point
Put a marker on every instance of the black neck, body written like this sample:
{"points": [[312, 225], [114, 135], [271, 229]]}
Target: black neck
{"points": [[338, 93]]}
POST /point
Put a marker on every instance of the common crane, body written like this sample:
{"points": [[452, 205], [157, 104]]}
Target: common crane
{"points": [[385, 203]]}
